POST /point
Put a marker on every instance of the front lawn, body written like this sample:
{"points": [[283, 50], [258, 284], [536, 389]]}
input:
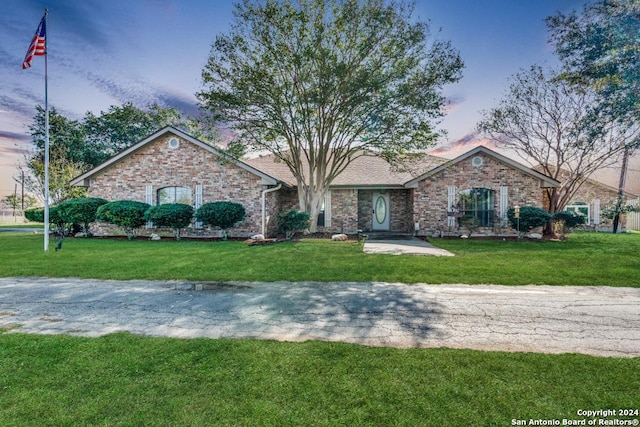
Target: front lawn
{"points": [[583, 259], [127, 380]]}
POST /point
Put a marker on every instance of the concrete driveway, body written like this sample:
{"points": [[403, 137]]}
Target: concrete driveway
{"points": [[592, 320], [409, 246]]}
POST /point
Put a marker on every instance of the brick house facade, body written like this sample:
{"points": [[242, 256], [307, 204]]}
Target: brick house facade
{"points": [[469, 193], [171, 159]]}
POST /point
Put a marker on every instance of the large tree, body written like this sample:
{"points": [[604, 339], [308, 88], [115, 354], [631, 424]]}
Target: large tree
{"points": [[76, 146], [319, 83], [119, 127], [67, 155], [553, 126], [600, 47]]}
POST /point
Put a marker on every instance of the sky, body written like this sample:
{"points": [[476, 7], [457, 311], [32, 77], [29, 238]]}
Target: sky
{"points": [[103, 53]]}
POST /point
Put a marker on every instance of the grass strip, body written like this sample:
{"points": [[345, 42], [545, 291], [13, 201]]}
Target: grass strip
{"points": [[122, 379], [584, 259]]}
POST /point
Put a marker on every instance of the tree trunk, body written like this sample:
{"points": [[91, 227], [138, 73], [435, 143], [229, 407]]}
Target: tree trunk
{"points": [[311, 202], [553, 204], [621, 183]]}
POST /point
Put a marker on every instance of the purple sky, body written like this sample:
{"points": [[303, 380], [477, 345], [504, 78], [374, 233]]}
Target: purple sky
{"points": [[104, 53]]}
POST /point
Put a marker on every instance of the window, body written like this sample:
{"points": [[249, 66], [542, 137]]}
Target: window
{"points": [[174, 195], [580, 208], [477, 203]]}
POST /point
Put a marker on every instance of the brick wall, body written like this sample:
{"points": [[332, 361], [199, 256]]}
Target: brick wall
{"points": [[430, 198], [160, 166], [401, 214], [344, 212]]}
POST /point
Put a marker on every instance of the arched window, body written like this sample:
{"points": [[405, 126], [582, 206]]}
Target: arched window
{"points": [[477, 203], [174, 195]]}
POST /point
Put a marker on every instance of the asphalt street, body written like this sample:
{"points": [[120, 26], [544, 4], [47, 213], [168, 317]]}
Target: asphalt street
{"points": [[600, 321]]}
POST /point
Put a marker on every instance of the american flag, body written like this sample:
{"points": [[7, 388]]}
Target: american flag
{"points": [[37, 46]]}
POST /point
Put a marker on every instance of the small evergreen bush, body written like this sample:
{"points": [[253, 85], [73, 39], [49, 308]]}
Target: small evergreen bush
{"points": [[57, 224], [80, 211], [530, 218], [35, 214], [173, 215], [292, 221], [564, 221], [221, 214], [126, 214]]}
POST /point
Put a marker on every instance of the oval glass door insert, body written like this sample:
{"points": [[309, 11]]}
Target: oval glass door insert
{"points": [[381, 210]]}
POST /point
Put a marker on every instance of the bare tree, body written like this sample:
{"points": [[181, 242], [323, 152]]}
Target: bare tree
{"points": [[557, 128]]}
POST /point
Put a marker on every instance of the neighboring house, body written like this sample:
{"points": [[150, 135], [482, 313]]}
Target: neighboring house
{"points": [[432, 197]]}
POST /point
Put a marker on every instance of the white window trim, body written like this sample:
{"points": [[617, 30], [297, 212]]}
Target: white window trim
{"points": [[327, 209], [575, 207], [451, 202], [198, 203], [148, 199], [504, 205]]}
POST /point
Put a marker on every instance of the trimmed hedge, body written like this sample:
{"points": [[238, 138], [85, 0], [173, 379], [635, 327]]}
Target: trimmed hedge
{"points": [[292, 221], [530, 218], [173, 215], [80, 211], [221, 214], [126, 214]]}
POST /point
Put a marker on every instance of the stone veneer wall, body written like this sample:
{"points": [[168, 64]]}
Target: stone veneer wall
{"points": [[160, 166], [430, 198]]}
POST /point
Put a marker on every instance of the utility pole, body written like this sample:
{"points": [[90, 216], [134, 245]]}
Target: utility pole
{"points": [[15, 199], [22, 190], [623, 177]]}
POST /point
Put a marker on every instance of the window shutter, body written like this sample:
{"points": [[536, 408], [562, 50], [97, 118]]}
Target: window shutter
{"points": [[504, 205], [198, 202], [148, 199], [596, 212], [451, 203], [327, 209]]}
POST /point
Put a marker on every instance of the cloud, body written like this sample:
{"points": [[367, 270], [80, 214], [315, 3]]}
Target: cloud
{"points": [[455, 148], [14, 136], [452, 103]]}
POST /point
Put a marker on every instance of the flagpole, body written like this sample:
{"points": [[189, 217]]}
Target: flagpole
{"points": [[46, 142]]}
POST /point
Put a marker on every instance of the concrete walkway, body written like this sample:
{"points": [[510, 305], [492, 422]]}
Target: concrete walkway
{"points": [[410, 246], [591, 320]]}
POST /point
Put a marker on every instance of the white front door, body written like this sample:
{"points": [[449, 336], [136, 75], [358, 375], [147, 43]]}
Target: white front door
{"points": [[381, 212]]}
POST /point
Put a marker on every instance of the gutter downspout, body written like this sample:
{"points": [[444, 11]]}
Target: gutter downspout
{"points": [[263, 200]]}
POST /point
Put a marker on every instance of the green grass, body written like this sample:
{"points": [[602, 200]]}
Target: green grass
{"points": [[583, 259], [126, 380]]}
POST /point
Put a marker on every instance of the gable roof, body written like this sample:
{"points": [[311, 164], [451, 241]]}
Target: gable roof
{"points": [[364, 171], [80, 180], [545, 181]]}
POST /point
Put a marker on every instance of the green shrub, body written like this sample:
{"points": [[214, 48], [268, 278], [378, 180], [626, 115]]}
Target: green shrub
{"points": [[569, 218], [80, 211], [221, 214], [56, 222], [173, 215], [126, 214], [35, 214], [292, 221], [564, 221], [530, 218]]}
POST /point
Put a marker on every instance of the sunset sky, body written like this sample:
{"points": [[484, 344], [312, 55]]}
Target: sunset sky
{"points": [[104, 53]]}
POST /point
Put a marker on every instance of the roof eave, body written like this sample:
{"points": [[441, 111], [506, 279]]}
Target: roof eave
{"points": [[84, 179]]}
